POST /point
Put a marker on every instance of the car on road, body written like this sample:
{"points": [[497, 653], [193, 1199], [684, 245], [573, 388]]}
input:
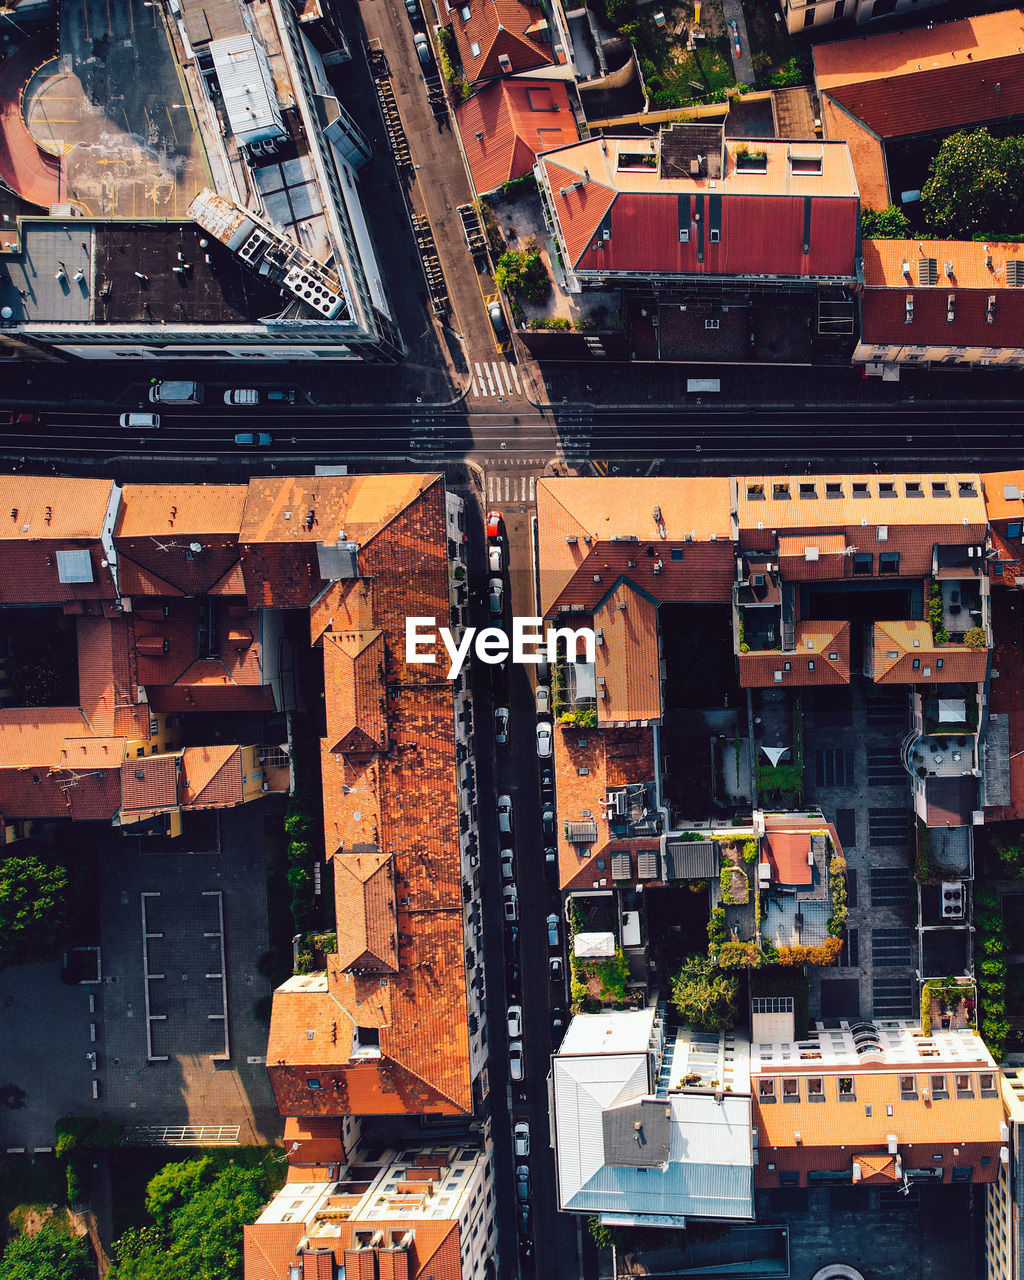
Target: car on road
{"points": [[140, 421], [515, 1060], [513, 977], [20, 418], [523, 1183], [521, 1138], [508, 865], [555, 971], [523, 1219], [510, 902], [501, 725], [495, 597], [550, 863], [547, 785], [547, 822], [544, 671], [543, 696], [557, 1025], [242, 395], [494, 559], [412, 8], [495, 526], [253, 439], [552, 930], [286, 395], [422, 49], [497, 319], [505, 815], [515, 1021], [544, 740]]}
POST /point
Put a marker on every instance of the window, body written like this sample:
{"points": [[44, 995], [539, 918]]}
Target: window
{"points": [[808, 489], [985, 1161], [677, 553], [863, 564], [886, 489], [860, 489], [987, 1084], [939, 1089], [1013, 529], [809, 17], [766, 1090], [474, 49], [916, 664], [833, 657], [837, 11], [780, 489], [815, 1089], [962, 1173], [791, 1090], [714, 235], [833, 489], [889, 562], [789, 1178], [810, 664], [963, 1085], [847, 1092], [940, 489], [967, 489], [913, 489], [882, 533], [939, 662], [312, 1083], [788, 666]]}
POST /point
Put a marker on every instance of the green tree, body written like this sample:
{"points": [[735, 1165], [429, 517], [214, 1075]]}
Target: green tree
{"points": [[174, 1186], [884, 224], [33, 909], [704, 995], [522, 272], [206, 1233], [51, 1254], [141, 1254], [974, 184]]}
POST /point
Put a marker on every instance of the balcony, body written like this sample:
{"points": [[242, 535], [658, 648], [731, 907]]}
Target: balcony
{"points": [[933, 756]]}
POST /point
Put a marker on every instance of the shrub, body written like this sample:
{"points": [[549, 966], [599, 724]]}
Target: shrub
{"points": [[703, 995], [716, 929], [975, 638], [828, 953], [750, 849], [884, 224], [740, 955], [939, 633]]}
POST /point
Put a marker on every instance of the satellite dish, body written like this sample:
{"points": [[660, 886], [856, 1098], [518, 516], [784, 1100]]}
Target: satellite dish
{"points": [[6, 313], [195, 547]]}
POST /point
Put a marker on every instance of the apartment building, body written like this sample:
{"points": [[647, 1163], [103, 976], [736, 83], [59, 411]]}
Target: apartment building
{"points": [[278, 255], [395, 1024], [941, 302], [410, 1213]]}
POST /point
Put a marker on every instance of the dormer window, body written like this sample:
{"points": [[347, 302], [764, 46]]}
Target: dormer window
{"points": [[808, 489], [780, 489], [833, 489], [940, 489], [913, 489], [861, 489]]}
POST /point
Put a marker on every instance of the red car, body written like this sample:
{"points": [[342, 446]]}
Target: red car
{"points": [[14, 418], [495, 528]]}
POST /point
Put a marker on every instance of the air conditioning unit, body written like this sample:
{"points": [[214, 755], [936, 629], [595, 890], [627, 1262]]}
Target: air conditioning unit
{"points": [[952, 897]]}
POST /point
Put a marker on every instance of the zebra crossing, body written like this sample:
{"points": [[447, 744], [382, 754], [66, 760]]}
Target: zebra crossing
{"points": [[511, 489], [494, 378]]}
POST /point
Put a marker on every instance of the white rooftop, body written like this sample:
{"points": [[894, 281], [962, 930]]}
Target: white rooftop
{"points": [[626, 1031], [894, 1043]]}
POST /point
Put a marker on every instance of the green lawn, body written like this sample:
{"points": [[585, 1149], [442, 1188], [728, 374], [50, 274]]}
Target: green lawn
{"points": [[28, 1182]]}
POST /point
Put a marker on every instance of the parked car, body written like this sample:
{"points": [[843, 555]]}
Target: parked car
{"points": [[422, 48], [547, 822], [513, 977], [510, 902], [495, 525], [515, 1060], [141, 421], [547, 785], [523, 1183], [544, 740], [494, 559], [544, 671], [495, 597], [523, 1219], [497, 319], [515, 1021], [550, 863], [557, 1025], [552, 930], [412, 8], [253, 440], [20, 418], [555, 972], [521, 1137], [505, 815], [508, 864], [543, 696], [285, 395], [501, 725], [242, 395]]}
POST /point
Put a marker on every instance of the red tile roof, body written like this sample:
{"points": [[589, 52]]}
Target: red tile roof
{"points": [[434, 1253], [867, 154], [41, 516], [354, 669], [211, 777], [156, 790], [518, 119], [108, 684], [627, 668], [497, 29], [786, 853], [364, 896], [159, 527], [898, 645], [816, 642], [226, 697]]}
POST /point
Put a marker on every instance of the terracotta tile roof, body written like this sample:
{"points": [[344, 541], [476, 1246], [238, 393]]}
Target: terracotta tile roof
{"points": [[32, 737], [786, 853], [227, 697], [177, 511], [999, 506], [877, 1169], [569, 511], [77, 508], [867, 154], [357, 710], [211, 777], [268, 1249], [497, 29], [897, 645], [364, 896], [108, 678], [313, 1141], [825, 514], [344, 606], [434, 1253], [157, 528], [518, 120], [279, 556], [620, 216], [167, 643], [827, 559], [406, 801], [816, 642], [157, 789], [627, 666], [923, 80]]}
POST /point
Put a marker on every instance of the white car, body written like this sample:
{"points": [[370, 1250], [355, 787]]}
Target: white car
{"points": [[544, 740], [495, 597], [510, 902], [242, 395], [521, 1138], [141, 421], [494, 559], [515, 1021], [543, 700], [515, 1060], [505, 815], [508, 865], [501, 725]]}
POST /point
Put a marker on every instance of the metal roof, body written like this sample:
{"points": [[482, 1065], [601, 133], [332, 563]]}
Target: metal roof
{"points": [[247, 88], [691, 859]]}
